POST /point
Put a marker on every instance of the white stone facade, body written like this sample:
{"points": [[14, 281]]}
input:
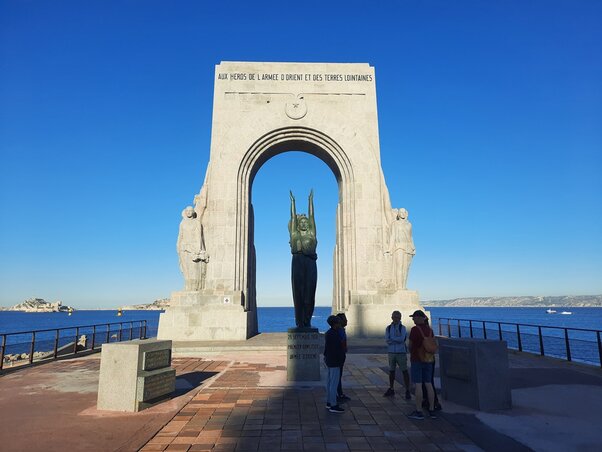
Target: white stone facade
{"points": [[261, 110]]}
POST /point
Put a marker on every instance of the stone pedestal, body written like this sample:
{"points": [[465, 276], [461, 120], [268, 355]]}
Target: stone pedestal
{"points": [[207, 316], [135, 375], [304, 348], [475, 373], [370, 312]]}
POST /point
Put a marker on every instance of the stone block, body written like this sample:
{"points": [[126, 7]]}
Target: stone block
{"points": [[207, 316], [135, 375], [304, 348], [370, 313], [475, 373]]}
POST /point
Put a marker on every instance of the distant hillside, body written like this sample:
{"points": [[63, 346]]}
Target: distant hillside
{"points": [[156, 305], [561, 301]]}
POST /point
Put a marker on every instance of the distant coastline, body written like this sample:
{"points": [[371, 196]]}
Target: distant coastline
{"points": [[573, 301]]}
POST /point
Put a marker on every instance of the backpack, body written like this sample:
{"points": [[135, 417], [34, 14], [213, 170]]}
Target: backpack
{"points": [[429, 346]]}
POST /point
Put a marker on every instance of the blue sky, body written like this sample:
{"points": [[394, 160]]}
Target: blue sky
{"points": [[490, 117]]}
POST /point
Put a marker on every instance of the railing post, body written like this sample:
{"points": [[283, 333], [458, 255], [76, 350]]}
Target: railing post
{"points": [[439, 324], [484, 331], [499, 329], [56, 344], [76, 339], [4, 347], [599, 347], [108, 332], [144, 335], [459, 329], [32, 348], [120, 331], [568, 345], [131, 328], [520, 344], [541, 350], [448, 328], [93, 337], [470, 326]]}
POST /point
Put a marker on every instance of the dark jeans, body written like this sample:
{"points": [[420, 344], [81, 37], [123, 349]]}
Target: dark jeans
{"points": [[433, 383], [340, 386]]}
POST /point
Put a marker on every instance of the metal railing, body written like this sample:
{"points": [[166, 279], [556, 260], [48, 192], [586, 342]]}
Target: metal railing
{"points": [[28, 347], [572, 344]]}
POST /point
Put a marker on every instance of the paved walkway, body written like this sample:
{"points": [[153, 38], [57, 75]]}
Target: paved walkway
{"points": [[251, 406], [240, 400]]}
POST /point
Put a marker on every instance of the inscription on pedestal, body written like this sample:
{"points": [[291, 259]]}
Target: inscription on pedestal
{"points": [[156, 385], [156, 359], [303, 354]]}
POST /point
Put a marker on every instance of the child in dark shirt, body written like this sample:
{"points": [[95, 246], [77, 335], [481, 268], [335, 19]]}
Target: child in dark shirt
{"points": [[334, 357]]}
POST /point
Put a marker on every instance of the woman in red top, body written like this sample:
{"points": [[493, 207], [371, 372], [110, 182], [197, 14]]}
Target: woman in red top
{"points": [[422, 368]]}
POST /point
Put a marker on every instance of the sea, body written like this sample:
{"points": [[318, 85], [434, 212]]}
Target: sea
{"points": [[278, 319]]}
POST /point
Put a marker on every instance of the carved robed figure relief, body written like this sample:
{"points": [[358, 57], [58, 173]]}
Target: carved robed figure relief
{"points": [[304, 271], [192, 254], [401, 246]]}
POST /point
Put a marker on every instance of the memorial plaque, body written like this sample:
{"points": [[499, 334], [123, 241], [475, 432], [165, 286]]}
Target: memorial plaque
{"points": [[156, 385], [135, 375], [304, 346], [156, 359], [458, 363]]}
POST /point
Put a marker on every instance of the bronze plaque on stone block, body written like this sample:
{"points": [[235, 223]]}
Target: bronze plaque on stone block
{"points": [[156, 359], [156, 385], [458, 362]]}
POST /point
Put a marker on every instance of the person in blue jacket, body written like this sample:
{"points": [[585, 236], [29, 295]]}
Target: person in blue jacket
{"points": [[334, 357], [396, 336]]}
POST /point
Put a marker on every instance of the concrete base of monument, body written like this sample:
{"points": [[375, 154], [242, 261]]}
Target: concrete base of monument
{"points": [[303, 351], [207, 316], [370, 312]]}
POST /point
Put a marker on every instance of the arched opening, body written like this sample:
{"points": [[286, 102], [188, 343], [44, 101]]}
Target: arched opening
{"points": [[323, 147], [299, 172]]}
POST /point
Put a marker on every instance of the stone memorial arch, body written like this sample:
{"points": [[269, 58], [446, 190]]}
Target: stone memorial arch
{"points": [[261, 110]]}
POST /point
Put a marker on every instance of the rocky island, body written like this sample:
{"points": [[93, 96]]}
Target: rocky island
{"points": [[39, 305]]}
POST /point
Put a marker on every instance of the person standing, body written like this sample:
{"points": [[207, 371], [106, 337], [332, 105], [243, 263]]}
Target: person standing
{"points": [[334, 357], [422, 367], [341, 397], [396, 336]]}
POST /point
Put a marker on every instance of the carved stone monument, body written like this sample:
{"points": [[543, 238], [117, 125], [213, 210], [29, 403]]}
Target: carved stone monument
{"points": [[135, 375], [261, 110], [475, 373]]}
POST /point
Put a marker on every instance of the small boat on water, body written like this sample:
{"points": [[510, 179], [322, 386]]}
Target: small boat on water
{"points": [[119, 312], [566, 312], [551, 311], [70, 311]]}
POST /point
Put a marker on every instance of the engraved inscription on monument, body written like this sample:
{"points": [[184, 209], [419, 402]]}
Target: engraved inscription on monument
{"points": [[303, 348], [156, 359], [459, 363], [152, 386]]}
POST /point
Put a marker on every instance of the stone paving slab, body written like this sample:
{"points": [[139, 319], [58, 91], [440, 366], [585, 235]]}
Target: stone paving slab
{"points": [[234, 413], [240, 400], [52, 407]]}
